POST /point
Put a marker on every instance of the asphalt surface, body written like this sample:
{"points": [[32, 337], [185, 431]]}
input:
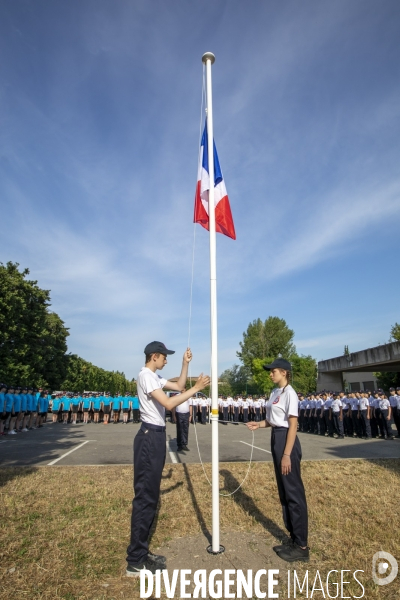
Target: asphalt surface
{"points": [[69, 445]]}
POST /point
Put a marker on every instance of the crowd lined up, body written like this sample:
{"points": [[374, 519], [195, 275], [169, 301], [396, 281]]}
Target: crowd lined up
{"points": [[23, 409], [345, 414], [336, 414]]}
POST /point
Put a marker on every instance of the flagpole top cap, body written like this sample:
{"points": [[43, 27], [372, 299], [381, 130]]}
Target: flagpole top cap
{"points": [[208, 56]]}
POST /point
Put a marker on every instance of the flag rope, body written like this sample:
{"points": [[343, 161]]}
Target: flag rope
{"points": [[202, 464], [190, 318]]}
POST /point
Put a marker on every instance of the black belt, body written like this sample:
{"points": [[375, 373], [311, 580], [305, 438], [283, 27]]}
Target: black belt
{"points": [[152, 427]]}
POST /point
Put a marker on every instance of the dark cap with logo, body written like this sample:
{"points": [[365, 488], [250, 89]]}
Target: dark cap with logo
{"points": [[157, 348], [279, 363]]}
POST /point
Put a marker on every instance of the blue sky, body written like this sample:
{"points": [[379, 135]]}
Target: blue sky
{"points": [[100, 110]]}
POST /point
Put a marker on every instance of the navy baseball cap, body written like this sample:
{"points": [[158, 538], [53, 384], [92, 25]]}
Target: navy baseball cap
{"points": [[157, 348], [279, 363]]}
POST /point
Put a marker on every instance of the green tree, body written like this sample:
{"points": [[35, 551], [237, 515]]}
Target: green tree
{"points": [[304, 374], [32, 339], [237, 377], [395, 332], [82, 375], [387, 380], [261, 376], [270, 338]]}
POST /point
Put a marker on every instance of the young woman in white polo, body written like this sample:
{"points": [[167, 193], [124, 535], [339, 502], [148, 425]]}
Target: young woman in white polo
{"points": [[282, 411]]}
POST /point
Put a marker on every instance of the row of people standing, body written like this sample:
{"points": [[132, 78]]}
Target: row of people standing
{"points": [[25, 408], [95, 407], [364, 414], [22, 408]]}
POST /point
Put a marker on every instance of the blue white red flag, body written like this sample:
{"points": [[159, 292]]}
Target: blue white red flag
{"points": [[223, 216]]}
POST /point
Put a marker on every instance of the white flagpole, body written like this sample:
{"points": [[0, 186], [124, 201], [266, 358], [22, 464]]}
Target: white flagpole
{"points": [[215, 548]]}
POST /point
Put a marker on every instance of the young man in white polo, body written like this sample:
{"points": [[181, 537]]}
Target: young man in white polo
{"points": [[149, 450]]}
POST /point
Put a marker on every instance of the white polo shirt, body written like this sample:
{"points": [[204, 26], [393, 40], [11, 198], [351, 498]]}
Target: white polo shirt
{"points": [[184, 407], [151, 411], [363, 403], [281, 405], [336, 405], [384, 404]]}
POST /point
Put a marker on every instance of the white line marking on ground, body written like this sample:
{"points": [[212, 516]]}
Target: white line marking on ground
{"points": [[53, 462], [172, 454], [257, 448]]}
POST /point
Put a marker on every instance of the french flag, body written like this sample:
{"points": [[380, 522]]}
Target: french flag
{"points": [[223, 216]]}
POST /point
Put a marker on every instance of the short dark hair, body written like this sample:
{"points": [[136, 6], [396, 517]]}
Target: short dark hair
{"points": [[148, 356]]}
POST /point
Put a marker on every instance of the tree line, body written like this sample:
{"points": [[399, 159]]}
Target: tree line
{"points": [[33, 342], [263, 341]]}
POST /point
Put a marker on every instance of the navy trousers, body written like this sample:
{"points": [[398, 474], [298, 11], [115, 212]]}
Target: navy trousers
{"points": [[356, 422], [149, 449], [182, 429], [290, 487], [365, 423], [338, 423]]}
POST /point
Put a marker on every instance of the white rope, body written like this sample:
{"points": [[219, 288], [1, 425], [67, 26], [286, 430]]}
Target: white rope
{"points": [[194, 224], [202, 464], [190, 319]]}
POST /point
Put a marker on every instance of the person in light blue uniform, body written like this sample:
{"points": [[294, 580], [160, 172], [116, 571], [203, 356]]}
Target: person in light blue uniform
{"points": [[24, 409], [106, 401], [3, 389], [56, 408], [66, 401], [9, 402], [46, 404], [116, 407], [96, 407], [135, 410], [41, 408], [16, 410], [86, 406], [126, 407], [75, 404], [34, 408]]}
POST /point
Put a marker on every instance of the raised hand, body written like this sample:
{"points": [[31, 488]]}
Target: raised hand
{"points": [[202, 382], [187, 357]]}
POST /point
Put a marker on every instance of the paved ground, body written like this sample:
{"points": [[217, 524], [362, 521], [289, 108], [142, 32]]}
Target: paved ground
{"points": [[112, 444]]}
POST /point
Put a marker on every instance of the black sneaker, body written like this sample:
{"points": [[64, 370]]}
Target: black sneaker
{"points": [[180, 449], [134, 570], [295, 553], [158, 559], [185, 448], [281, 547]]}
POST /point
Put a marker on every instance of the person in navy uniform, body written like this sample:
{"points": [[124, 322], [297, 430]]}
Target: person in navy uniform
{"points": [[364, 416], [150, 450], [336, 415], [386, 413], [393, 406], [282, 415]]}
